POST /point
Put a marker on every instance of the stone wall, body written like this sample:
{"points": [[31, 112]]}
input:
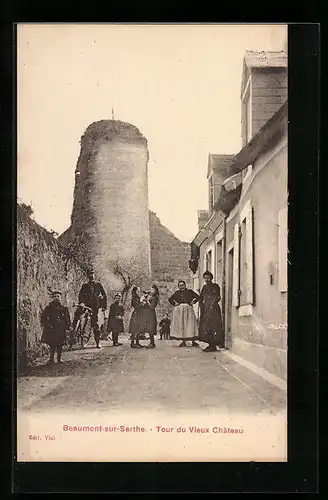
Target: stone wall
{"points": [[41, 263], [169, 262], [109, 222], [111, 226]]}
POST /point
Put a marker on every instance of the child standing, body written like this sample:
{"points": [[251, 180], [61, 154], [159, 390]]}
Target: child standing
{"points": [[55, 320], [115, 319], [164, 326]]}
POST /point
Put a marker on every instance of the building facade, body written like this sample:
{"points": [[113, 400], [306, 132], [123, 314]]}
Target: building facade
{"points": [[242, 239]]}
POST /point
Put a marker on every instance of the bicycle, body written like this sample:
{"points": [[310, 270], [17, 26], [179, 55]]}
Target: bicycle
{"points": [[83, 329]]}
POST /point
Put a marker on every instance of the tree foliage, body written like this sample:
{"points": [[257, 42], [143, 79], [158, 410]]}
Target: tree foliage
{"points": [[130, 274]]}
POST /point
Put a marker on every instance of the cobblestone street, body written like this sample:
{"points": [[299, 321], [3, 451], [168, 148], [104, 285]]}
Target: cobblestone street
{"points": [[167, 378]]}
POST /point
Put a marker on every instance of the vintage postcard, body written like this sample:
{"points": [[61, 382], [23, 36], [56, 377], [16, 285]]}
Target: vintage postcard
{"points": [[152, 243]]}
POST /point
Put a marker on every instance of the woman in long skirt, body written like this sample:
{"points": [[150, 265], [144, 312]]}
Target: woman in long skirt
{"points": [[146, 314], [210, 324], [150, 317], [134, 326], [184, 324]]}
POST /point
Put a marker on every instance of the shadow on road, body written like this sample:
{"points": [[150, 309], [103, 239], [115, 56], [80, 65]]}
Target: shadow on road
{"points": [[74, 363], [45, 370]]}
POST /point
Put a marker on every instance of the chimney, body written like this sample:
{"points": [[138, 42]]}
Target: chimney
{"points": [[264, 89], [202, 218]]}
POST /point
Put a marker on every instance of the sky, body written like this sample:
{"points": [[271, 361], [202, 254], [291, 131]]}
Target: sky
{"points": [[179, 84]]}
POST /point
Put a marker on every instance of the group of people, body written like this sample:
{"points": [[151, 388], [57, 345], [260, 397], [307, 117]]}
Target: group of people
{"points": [[184, 323], [56, 323], [143, 319]]}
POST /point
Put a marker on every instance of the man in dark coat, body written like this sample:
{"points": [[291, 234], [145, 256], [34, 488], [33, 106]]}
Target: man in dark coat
{"points": [[115, 319], [55, 321], [93, 295]]}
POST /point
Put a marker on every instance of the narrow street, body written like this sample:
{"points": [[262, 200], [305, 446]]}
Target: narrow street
{"points": [[167, 378]]}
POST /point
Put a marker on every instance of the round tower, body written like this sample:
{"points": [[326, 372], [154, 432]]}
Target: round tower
{"points": [[110, 216]]}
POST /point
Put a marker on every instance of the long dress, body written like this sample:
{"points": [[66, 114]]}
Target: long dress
{"points": [[210, 324], [153, 304], [115, 324], [135, 316], [184, 323], [146, 317], [55, 320]]}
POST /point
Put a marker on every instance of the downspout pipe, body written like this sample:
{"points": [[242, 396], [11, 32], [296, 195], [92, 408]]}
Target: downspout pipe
{"points": [[223, 291]]}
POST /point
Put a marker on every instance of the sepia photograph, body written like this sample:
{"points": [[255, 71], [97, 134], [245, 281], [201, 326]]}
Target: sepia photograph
{"points": [[152, 242]]}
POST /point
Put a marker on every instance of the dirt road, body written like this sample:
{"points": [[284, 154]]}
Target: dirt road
{"points": [[167, 378]]}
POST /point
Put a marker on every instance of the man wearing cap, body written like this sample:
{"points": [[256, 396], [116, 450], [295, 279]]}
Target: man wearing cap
{"points": [[55, 320], [93, 295]]}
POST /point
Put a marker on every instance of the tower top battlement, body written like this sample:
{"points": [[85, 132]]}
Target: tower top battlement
{"points": [[106, 130]]}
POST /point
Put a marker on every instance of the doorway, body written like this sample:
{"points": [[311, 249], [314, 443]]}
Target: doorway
{"points": [[229, 298]]}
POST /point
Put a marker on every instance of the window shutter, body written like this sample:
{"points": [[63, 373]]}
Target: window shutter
{"points": [[249, 255], [235, 282], [283, 249]]}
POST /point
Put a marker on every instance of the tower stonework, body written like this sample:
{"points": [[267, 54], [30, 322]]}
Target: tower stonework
{"points": [[110, 218], [112, 228], [169, 262]]}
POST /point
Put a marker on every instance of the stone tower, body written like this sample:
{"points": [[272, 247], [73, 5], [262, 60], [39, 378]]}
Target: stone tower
{"points": [[110, 217]]}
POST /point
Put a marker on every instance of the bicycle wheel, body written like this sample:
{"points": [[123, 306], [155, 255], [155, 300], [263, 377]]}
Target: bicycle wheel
{"points": [[74, 335], [86, 330]]}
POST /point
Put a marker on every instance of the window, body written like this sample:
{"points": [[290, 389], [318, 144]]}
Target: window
{"points": [[243, 287], [283, 249]]}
